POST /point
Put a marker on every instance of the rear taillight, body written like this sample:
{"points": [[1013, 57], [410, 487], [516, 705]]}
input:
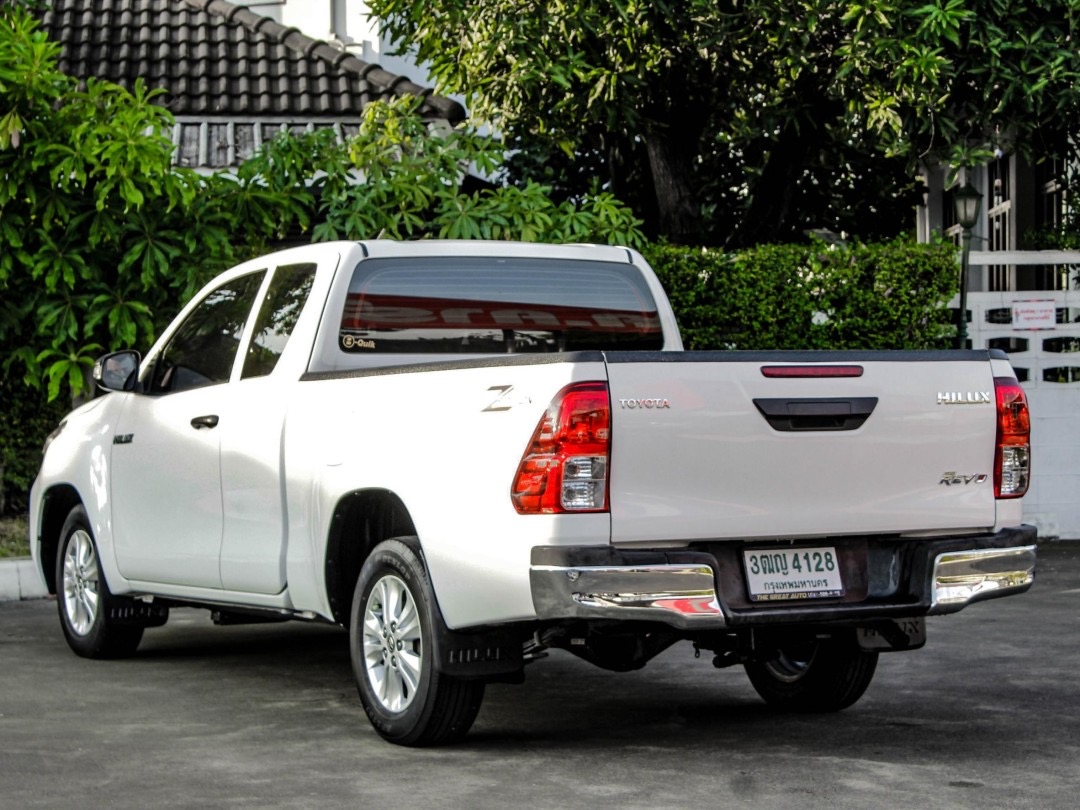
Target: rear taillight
{"points": [[1012, 462], [565, 467]]}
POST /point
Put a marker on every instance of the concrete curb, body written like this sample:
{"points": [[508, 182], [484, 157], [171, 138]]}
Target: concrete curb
{"points": [[19, 579]]}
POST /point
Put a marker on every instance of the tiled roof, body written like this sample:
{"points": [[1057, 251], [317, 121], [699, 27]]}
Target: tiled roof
{"points": [[216, 59]]}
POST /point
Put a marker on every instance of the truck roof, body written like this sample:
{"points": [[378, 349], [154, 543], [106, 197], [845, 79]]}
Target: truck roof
{"points": [[378, 248]]}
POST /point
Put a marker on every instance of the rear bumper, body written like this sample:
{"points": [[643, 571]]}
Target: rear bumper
{"points": [[703, 587], [963, 577]]}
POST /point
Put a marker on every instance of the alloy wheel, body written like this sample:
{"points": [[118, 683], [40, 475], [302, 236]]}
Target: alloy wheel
{"points": [[82, 597], [393, 643]]}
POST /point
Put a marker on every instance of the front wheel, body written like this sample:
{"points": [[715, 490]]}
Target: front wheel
{"points": [[408, 700], [85, 603], [813, 675]]}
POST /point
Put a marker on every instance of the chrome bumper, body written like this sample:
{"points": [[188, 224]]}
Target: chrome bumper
{"points": [[703, 587], [679, 595], [963, 577]]}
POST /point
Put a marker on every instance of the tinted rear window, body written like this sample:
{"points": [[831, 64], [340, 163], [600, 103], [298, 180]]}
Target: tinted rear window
{"points": [[457, 305]]}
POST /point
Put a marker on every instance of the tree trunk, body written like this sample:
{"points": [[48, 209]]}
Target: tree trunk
{"points": [[629, 178], [671, 153], [768, 216]]}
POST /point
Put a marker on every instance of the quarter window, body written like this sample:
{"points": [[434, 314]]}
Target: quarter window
{"points": [[289, 290]]}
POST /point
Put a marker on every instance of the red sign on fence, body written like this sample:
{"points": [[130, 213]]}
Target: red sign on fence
{"points": [[1034, 314]]}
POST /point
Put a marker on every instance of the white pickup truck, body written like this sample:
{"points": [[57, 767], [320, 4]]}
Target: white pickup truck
{"points": [[467, 453]]}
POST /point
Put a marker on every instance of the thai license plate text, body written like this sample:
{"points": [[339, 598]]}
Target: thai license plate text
{"points": [[793, 573]]}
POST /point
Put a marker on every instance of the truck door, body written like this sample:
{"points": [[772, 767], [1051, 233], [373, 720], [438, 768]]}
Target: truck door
{"points": [[166, 470]]}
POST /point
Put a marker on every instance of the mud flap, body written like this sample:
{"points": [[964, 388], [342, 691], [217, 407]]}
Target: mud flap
{"points": [[491, 654], [141, 614]]}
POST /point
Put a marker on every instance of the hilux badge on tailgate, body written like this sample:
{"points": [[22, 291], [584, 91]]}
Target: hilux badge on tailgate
{"points": [[964, 398]]}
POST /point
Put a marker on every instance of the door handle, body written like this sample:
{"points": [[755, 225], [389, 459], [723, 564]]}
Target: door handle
{"points": [[200, 422], [840, 413]]}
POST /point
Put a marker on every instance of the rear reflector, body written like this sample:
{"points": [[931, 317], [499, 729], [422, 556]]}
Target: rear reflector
{"points": [[812, 371], [565, 467], [1012, 461]]}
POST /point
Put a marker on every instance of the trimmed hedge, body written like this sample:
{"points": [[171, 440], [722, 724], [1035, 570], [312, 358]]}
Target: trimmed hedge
{"points": [[818, 296]]}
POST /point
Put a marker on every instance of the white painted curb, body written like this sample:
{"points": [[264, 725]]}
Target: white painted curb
{"points": [[19, 579]]}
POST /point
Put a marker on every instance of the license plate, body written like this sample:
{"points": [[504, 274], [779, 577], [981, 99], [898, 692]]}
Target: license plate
{"points": [[793, 573]]}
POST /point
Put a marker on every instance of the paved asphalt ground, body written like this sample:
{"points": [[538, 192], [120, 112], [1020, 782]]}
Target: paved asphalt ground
{"points": [[986, 716]]}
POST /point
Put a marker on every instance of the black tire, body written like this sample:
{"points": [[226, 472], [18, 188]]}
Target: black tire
{"points": [[816, 675], [408, 700], [87, 608]]}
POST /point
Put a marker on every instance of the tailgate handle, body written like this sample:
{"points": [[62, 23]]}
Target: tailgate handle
{"points": [[834, 413]]}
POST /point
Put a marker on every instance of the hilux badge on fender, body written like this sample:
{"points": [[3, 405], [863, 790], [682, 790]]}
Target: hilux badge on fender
{"points": [[964, 398]]}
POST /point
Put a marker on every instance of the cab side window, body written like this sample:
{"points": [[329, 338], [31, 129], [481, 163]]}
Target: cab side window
{"points": [[285, 299], [201, 352]]}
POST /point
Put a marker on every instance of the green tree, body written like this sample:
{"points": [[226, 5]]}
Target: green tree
{"points": [[747, 122], [101, 237]]}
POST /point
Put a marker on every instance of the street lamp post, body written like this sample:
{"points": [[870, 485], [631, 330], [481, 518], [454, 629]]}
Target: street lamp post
{"points": [[968, 201]]}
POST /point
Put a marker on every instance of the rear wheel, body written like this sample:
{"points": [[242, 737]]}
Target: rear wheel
{"points": [[408, 700], [813, 675], [86, 606]]}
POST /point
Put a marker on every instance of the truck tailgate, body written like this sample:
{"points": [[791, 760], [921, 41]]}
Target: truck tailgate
{"points": [[750, 445]]}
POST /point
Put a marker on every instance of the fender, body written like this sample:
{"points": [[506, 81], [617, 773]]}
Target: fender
{"points": [[77, 461]]}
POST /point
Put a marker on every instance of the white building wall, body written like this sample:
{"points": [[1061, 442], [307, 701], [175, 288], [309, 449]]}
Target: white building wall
{"points": [[1053, 502]]}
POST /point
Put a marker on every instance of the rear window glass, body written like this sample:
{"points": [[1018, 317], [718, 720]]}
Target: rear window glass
{"points": [[436, 305]]}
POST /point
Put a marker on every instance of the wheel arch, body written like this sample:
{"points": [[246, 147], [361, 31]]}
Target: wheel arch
{"points": [[361, 520], [56, 504]]}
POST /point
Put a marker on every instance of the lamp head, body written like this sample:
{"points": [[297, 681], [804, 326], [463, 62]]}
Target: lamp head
{"points": [[968, 201]]}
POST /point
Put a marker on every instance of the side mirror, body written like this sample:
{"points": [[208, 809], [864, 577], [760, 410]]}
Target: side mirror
{"points": [[118, 371]]}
